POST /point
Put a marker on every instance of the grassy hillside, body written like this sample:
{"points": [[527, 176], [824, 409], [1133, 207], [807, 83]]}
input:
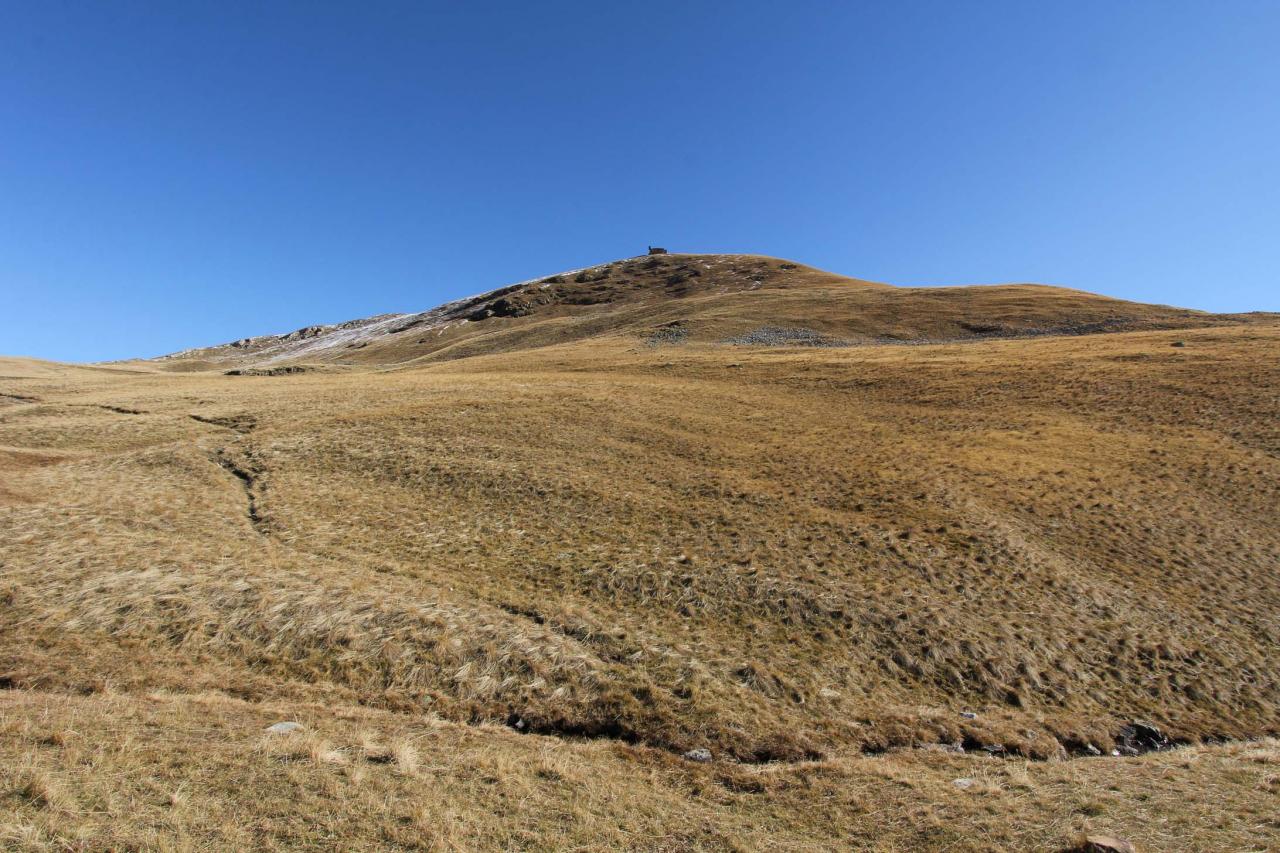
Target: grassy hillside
{"points": [[695, 298], [197, 771], [546, 574]]}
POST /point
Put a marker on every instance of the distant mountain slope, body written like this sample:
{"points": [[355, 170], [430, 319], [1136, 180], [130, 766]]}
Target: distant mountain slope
{"points": [[748, 299]]}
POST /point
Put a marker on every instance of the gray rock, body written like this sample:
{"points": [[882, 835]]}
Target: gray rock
{"points": [[284, 728], [1106, 844], [699, 755], [669, 334], [774, 336], [1139, 737], [964, 783]]}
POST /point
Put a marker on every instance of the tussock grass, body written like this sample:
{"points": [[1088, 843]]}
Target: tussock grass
{"points": [[809, 564], [192, 771]]}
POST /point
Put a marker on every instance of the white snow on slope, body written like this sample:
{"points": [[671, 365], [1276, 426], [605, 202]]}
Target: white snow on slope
{"points": [[311, 341]]}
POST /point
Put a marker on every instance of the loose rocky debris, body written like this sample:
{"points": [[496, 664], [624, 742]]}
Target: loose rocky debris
{"points": [[284, 370], [1139, 737], [667, 335], [1133, 738], [774, 336], [990, 331]]}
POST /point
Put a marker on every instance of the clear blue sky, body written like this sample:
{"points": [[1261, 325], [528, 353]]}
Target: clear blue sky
{"points": [[178, 174]]}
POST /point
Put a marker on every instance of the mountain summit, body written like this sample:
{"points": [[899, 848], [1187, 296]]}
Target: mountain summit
{"points": [[694, 298]]}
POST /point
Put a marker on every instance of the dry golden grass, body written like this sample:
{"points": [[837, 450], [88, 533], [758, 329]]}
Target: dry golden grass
{"points": [[195, 771], [504, 593], [182, 771], [700, 299]]}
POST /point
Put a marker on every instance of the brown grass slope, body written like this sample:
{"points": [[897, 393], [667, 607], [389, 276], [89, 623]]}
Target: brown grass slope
{"points": [[699, 298], [780, 554], [171, 771]]}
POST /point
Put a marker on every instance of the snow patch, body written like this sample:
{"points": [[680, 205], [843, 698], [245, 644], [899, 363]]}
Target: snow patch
{"points": [[313, 341]]}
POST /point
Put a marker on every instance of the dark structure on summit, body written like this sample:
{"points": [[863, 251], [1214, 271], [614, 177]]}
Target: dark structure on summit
{"points": [[657, 250]]}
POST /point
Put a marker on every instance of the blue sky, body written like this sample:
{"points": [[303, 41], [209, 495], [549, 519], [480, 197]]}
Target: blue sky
{"points": [[179, 174]]}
